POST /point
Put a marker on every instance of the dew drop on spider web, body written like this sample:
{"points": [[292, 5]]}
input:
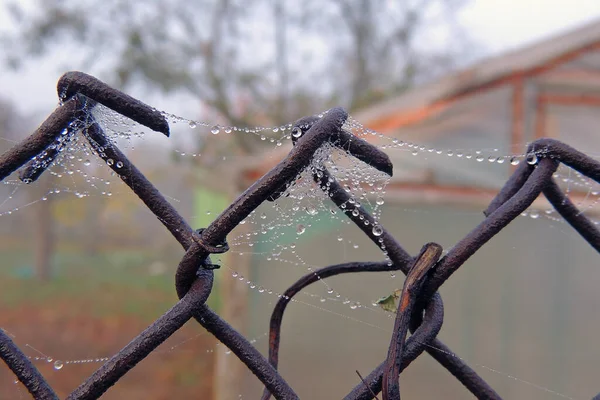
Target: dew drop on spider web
{"points": [[300, 229], [534, 214], [514, 161], [310, 210], [296, 132], [215, 130], [58, 365]]}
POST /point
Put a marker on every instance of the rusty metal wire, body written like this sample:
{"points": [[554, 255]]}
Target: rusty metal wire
{"points": [[420, 308]]}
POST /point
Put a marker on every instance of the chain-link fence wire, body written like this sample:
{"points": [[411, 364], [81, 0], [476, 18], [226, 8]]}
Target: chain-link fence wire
{"points": [[420, 307]]}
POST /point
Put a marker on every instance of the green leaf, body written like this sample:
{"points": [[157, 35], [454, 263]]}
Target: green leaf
{"points": [[388, 303]]}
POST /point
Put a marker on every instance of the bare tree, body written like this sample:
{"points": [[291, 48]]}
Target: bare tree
{"points": [[14, 127], [251, 61]]}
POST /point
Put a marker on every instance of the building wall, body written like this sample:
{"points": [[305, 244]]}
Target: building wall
{"points": [[525, 305]]}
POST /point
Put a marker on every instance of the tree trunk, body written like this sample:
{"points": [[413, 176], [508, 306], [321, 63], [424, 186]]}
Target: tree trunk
{"points": [[44, 233]]}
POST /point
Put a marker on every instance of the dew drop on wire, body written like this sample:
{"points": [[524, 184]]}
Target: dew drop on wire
{"points": [[531, 159], [377, 230]]}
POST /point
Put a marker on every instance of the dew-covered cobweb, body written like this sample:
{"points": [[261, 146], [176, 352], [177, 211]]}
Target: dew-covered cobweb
{"points": [[518, 312]]}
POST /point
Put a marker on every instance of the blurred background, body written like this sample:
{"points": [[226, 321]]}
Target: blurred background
{"points": [[85, 267]]}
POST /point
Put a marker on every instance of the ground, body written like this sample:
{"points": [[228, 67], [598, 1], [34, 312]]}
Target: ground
{"points": [[92, 307]]}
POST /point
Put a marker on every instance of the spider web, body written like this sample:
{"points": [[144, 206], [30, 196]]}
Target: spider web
{"points": [[530, 319]]}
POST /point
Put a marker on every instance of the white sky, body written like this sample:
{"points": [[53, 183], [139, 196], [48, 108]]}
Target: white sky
{"points": [[498, 25]]}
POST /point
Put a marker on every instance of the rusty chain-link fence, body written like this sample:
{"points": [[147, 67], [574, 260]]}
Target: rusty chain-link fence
{"points": [[420, 307]]}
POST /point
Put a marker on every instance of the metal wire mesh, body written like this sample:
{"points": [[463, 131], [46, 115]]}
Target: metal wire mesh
{"points": [[420, 308]]}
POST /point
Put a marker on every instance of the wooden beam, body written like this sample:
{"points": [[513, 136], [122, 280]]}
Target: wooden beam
{"points": [[416, 115], [540, 116], [580, 99], [517, 136]]}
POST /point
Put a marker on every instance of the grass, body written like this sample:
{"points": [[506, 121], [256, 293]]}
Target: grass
{"points": [[120, 281], [91, 307]]}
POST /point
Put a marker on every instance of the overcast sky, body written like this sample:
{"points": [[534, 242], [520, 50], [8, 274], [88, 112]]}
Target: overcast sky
{"points": [[498, 25]]}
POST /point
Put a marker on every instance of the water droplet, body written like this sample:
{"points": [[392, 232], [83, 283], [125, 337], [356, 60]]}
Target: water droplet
{"points": [[377, 230], [300, 229], [531, 159], [58, 365], [534, 214], [227, 129], [87, 163], [492, 159], [263, 216], [110, 162], [379, 201], [296, 132], [192, 124], [119, 164], [479, 158], [514, 161], [215, 130], [310, 210]]}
